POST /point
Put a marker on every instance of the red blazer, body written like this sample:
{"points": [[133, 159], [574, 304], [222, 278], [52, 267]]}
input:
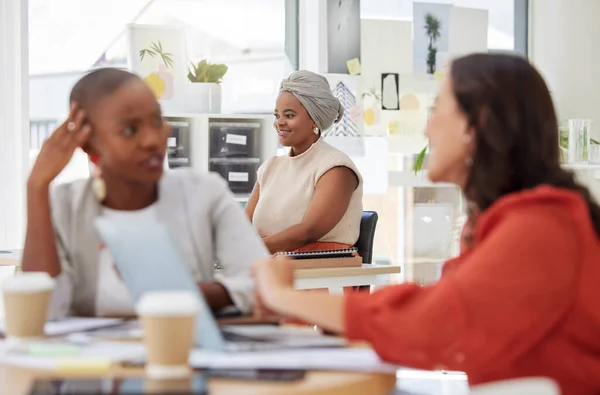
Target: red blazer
{"points": [[523, 301]]}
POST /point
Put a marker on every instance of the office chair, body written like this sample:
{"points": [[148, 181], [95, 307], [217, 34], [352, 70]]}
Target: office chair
{"points": [[366, 237]]}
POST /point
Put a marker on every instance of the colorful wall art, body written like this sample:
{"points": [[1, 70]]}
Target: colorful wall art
{"points": [[157, 54], [348, 133], [443, 31], [431, 35]]}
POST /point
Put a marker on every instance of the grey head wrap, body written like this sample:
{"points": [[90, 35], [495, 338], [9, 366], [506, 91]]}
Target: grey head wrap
{"points": [[313, 91]]}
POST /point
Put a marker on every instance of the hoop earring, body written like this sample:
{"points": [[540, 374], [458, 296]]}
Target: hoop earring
{"points": [[98, 186], [316, 130]]}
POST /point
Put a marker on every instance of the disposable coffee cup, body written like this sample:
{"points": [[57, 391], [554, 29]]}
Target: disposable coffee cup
{"points": [[26, 301], [169, 386], [168, 320]]}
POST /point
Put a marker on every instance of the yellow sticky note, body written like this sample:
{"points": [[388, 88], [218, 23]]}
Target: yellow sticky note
{"points": [[354, 67], [84, 365], [439, 75], [393, 128]]}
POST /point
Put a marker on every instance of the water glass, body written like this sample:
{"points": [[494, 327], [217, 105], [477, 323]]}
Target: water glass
{"points": [[594, 154], [579, 140]]}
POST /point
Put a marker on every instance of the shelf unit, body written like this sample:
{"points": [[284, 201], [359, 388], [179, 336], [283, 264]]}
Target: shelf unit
{"points": [[199, 141]]}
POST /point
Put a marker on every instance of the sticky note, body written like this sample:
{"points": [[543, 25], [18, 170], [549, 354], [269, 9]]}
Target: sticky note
{"points": [[53, 350], [354, 67], [84, 365], [393, 128], [439, 75]]}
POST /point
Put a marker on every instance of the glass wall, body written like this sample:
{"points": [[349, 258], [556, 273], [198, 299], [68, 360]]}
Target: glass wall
{"points": [[420, 223]]}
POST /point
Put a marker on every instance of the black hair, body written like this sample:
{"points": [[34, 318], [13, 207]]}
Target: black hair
{"points": [[99, 84]]}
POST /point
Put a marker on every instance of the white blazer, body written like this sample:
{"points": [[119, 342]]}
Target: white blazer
{"points": [[206, 223]]}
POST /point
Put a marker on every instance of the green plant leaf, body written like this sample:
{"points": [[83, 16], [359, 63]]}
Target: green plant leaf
{"points": [[155, 47], [198, 73], [420, 160], [207, 72], [167, 59], [145, 52], [215, 73], [191, 76], [201, 71]]}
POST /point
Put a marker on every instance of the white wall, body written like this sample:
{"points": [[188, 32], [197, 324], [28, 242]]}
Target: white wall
{"points": [[563, 44]]}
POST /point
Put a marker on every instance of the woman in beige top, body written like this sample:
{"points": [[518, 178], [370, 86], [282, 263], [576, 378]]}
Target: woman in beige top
{"points": [[311, 198]]}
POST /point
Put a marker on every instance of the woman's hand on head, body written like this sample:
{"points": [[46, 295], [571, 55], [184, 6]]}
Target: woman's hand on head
{"points": [[58, 149], [273, 277]]}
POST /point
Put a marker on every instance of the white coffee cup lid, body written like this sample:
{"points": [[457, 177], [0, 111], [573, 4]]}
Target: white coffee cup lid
{"points": [[29, 282], [168, 303]]}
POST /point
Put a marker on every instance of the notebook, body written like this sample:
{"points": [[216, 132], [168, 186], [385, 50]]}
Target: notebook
{"points": [[323, 259], [321, 254]]}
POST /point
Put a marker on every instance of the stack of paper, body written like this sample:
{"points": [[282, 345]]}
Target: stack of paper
{"points": [[53, 355], [74, 325], [342, 359]]}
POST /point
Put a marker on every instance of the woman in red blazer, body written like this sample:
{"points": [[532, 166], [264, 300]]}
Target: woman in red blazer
{"points": [[523, 297]]}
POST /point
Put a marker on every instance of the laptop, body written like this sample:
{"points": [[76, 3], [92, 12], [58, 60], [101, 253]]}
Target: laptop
{"points": [[148, 260]]}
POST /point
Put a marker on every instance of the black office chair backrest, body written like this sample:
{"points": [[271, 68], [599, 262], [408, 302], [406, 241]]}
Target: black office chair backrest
{"points": [[366, 237]]}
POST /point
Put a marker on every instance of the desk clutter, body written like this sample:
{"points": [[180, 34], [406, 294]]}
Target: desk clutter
{"points": [[97, 351], [163, 344]]}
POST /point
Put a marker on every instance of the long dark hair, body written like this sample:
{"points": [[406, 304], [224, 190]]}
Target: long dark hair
{"points": [[508, 104]]}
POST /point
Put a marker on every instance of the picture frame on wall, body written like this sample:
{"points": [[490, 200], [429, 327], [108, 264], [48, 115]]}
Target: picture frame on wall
{"points": [[158, 55]]}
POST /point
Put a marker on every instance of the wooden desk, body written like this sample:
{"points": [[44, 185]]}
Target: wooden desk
{"points": [[10, 257], [333, 278], [337, 278], [16, 381]]}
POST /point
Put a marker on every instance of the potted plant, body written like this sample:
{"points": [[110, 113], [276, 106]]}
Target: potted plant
{"points": [[205, 88]]}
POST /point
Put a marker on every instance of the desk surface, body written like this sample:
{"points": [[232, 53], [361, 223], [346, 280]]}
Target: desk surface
{"points": [[13, 258], [364, 270], [10, 257], [16, 381]]}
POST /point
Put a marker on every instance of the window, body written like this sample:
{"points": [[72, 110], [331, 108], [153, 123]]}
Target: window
{"points": [[257, 39]]}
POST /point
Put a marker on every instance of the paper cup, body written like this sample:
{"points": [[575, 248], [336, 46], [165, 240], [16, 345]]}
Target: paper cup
{"points": [[168, 320], [26, 301], [169, 386]]}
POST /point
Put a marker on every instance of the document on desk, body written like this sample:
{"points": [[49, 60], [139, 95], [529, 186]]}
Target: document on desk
{"points": [[341, 359], [71, 325], [68, 357]]}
